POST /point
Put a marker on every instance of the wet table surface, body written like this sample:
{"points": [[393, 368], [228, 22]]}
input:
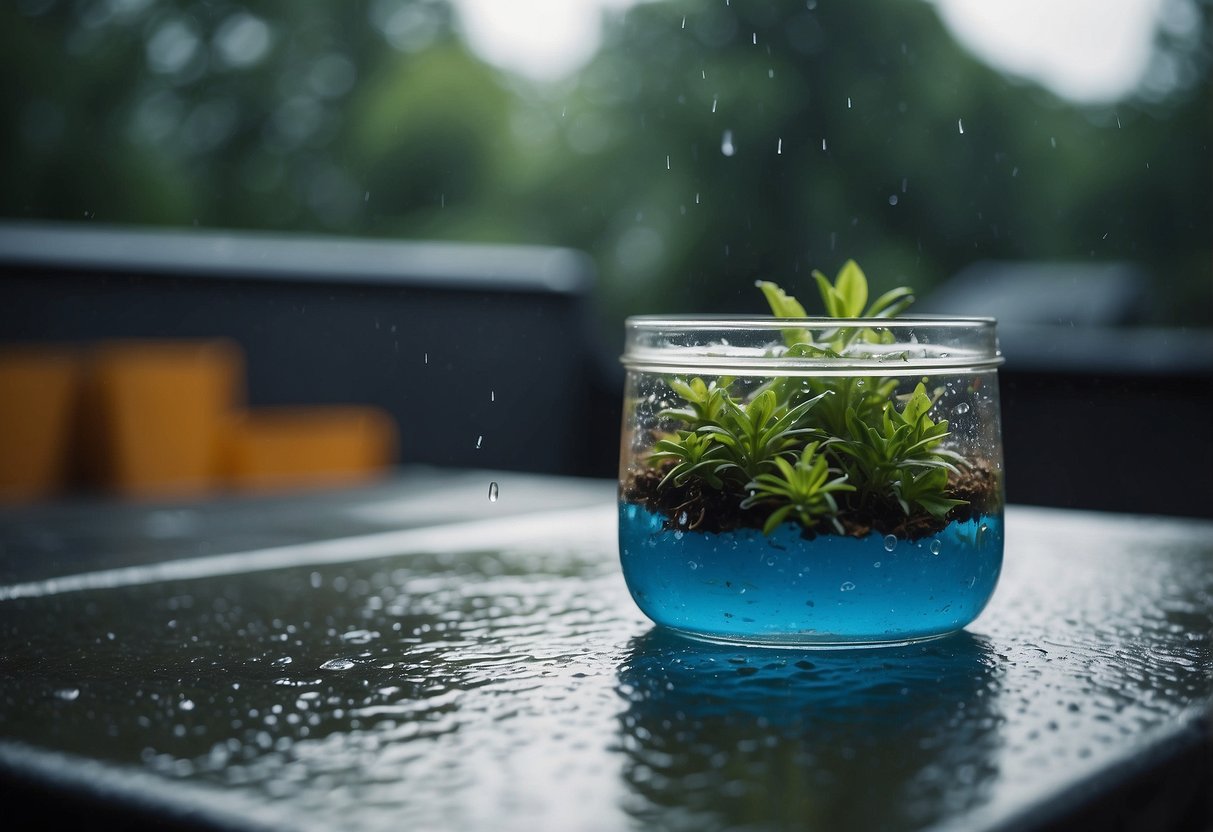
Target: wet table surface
{"points": [[414, 656]]}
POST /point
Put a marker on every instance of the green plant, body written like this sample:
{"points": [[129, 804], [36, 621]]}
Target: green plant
{"points": [[803, 490], [820, 447], [900, 455]]}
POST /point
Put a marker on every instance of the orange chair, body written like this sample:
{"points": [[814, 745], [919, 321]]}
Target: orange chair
{"points": [[278, 448], [38, 398], [158, 415]]}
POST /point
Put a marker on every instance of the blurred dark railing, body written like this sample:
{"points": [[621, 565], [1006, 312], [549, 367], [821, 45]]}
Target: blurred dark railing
{"points": [[1099, 410], [483, 354]]}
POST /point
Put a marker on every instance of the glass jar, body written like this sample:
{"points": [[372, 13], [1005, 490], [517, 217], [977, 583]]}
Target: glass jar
{"points": [[816, 482]]}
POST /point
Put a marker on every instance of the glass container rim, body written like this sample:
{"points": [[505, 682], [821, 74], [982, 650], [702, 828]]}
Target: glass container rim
{"points": [[955, 344], [761, 322]]}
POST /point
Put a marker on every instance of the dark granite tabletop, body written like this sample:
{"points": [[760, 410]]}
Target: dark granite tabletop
{"points": [[413, 655]]}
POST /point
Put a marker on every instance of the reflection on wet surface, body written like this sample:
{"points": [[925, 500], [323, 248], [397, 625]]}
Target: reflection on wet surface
{"points": [[716, 738], [520, 689]]}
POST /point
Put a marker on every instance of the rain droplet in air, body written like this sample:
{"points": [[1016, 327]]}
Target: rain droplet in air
{"points": [[848, 102], [823, 144], [667, 161], [186, 705], [493, 492], [366, 197], [755, 38], [479, 439], [492, 395], [684, 21], [936, 547], [426, 358], [779, 148], [960, 125], [68, 694], [890, 542], [893, 199], [696, 197], [726, 143]]}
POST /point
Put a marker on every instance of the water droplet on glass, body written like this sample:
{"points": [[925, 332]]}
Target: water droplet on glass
{"points": [[961, 409], [936, 547], [960, 125], [847, 586], [68, 694], [726, 143], [682, 519], [876, 565], [337, 664], [890, 542], [186, 705], [692, 565], [493, 492], [893, 199]]}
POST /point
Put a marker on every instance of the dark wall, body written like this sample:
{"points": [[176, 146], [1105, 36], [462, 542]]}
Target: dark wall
{"points": [[513, 369]]}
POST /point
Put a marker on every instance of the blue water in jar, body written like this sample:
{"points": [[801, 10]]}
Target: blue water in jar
{"points": [[745, 586]]}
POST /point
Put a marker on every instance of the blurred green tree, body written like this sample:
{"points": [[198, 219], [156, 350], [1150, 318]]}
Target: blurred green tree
{"points": [[706, 145]]}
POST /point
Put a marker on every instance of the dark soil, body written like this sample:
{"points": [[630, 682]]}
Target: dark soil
{"points": [[694, 506]]}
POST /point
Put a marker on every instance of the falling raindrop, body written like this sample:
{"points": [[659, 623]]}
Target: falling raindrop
{"points": [[696, 197], [755, 38], [493, 492], [427, 358], [779, 148], [1053, 141], [667, 161], [726, 143], [479, 439], [714, 100], [366, 197], [684, 21], [68, 694], [823, 144], [492, 395], [936, 547], [848, 102], [960, 125]]}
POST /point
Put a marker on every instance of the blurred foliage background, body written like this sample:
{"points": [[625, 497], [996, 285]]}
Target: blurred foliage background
{"points": [[705, 144]]}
